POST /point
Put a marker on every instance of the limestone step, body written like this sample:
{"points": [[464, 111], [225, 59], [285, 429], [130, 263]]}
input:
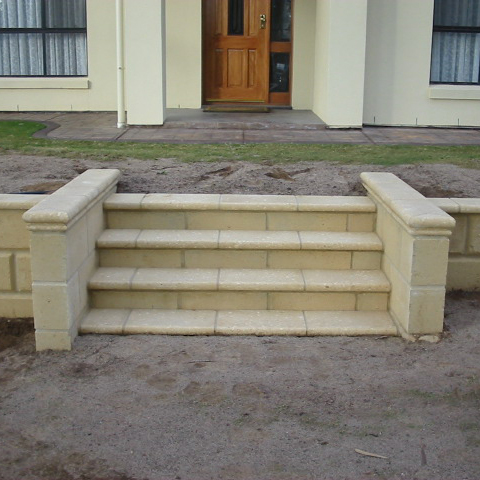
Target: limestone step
{"points": [[240, 322], [214, 279], [240, 212], [239, 249], [239, 289]]}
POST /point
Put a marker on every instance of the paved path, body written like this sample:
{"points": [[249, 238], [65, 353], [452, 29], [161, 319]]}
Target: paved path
{"points": [[282, 126]]}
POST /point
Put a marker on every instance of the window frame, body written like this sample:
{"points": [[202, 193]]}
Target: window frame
{"points": [[44, 30], [451, 29]]}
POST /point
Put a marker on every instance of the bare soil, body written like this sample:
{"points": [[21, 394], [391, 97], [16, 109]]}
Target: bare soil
{"points": [[241, 408], [21, 173]]}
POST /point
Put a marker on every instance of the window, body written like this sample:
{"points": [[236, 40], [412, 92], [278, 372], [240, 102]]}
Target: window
{"points": [[43, 38], [456, 42]]}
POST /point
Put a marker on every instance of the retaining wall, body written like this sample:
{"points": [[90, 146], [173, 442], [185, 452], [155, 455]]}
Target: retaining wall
{"points": [[73, 218], [15, 269], [464, 256]]}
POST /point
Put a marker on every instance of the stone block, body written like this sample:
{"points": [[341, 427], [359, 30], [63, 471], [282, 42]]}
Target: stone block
{"points": [[13, 230], [366, 260], [23, 272], [361, 222], [96, 224], [372, 302], [145, 220], [223, 300], [224, 220], [311, 301], [463, 273], [138, 300], [426, 311], [261, 323], [307, 221], [225, 259], [424, 260], [49, 256], [124, 258], [53, 340], [171, 322], [473, 239], [321, 260], [458, 240], [56, 256], [109, 321], [16, 305], [6, 271], [56, 306]]}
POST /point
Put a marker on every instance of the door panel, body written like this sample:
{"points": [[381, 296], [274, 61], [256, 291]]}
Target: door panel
{"points": [[236, 65]]}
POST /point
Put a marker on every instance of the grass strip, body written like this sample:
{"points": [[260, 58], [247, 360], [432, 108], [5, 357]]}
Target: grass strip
{"points": [[16, 137]]}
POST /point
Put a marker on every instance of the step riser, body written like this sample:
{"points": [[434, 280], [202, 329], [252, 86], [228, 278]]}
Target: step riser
{"points": [[228, 220], [177, 258], [203, 300]]}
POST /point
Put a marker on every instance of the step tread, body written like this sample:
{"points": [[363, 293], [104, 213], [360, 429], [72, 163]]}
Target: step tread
{"points": [[233, 202], [240, 322], [140, 279], [230, 239]]}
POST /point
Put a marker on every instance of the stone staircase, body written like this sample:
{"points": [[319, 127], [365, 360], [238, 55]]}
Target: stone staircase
{"points": [[239, 264]]}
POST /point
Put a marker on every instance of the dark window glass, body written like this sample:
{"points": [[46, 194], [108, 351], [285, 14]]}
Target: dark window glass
{"points": [[456, 42], [281, 21], [279, 72], [457, 13], [235, 17], [62, 14], [43, 38]]}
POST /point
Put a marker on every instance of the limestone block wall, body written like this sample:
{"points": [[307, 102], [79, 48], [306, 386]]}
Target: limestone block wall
{"points": [[415, 234], [64, 230], [464, 256], [15, 269]]}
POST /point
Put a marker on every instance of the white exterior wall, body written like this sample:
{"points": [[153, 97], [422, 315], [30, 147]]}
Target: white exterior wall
{"points": [[397, 85], [184, 53], [97, 92], [145, 74], [303, 66], [347, 68], [340, 61]]}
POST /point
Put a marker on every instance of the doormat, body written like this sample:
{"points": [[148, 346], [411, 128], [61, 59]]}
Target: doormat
{"points": [[236, 109]]}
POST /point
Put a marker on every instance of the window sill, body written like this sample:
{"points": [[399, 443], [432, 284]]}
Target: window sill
{"points": [[45, 83], [454, 92]]}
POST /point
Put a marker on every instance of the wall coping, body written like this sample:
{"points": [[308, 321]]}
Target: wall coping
{"points": [[14, 201], [66, 204], [414, 210]]}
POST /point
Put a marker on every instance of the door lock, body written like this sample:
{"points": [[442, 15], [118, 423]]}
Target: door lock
{"points": [[263, 21]]}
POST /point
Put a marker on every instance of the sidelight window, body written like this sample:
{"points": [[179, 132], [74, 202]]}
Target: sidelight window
{"points": [[43, 38], [280, 49]]}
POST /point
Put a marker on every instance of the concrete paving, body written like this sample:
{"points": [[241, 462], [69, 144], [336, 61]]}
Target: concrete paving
{"points": [[278, 126]]}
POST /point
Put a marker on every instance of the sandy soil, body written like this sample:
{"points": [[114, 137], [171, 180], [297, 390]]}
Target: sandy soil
{"points": [[197, 408], [29, 173], [158, 407]]}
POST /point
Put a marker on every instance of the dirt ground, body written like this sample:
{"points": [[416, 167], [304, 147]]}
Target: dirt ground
{"points": [[242, 408], [20, 173]]}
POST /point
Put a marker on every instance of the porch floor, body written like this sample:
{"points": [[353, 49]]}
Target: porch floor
{"points": [[196, 126]]}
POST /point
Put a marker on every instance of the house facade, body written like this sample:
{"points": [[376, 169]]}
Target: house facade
{"points": [[352, 62]]}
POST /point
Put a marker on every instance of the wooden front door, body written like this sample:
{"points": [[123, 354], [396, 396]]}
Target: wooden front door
{"points": [[236, 50]]}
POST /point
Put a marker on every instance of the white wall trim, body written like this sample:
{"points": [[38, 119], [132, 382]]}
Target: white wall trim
{"points": [[45, 83], [454, 92]]}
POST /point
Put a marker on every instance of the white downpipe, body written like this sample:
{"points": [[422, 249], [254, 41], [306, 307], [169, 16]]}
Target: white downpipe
{"points": [[121, 116]]}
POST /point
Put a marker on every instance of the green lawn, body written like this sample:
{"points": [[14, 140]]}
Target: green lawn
{"points": [[16, 136]]}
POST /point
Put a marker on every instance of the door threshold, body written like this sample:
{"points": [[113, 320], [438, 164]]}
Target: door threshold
{"points": [[236, 109], [245, 105]]}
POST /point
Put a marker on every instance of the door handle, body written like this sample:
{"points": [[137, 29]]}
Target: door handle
{"points": [[263, 21]]}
